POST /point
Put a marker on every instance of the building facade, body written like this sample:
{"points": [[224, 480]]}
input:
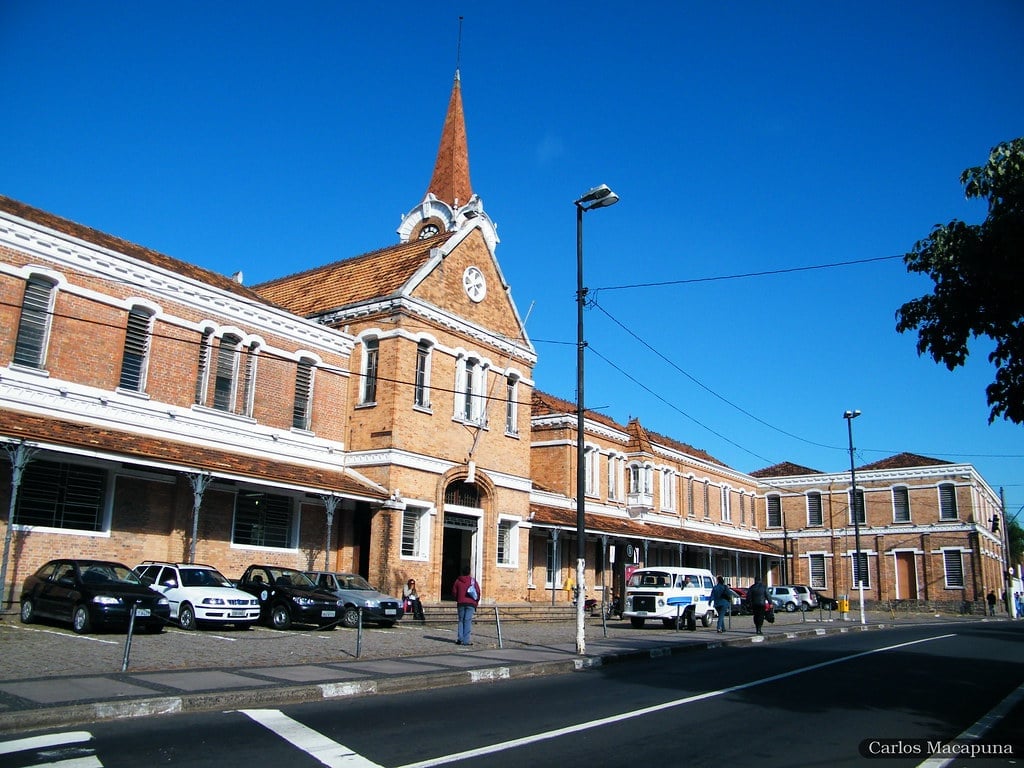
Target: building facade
{"points": [[378, 414]]}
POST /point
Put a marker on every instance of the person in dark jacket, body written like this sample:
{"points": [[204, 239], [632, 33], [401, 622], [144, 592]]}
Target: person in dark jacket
{"points": [[466, 591], [721, 598], [757, 596]]}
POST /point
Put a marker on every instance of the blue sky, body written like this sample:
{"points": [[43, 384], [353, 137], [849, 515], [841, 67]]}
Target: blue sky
{"points": [[741, 137]]}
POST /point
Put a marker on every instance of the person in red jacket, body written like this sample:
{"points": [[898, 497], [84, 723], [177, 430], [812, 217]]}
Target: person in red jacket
{"points": [[466, 591]]}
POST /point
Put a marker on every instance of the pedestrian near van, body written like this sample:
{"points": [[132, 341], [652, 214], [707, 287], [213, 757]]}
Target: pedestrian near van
{"points": [[466, 591], [721, 598], [757, 596]]}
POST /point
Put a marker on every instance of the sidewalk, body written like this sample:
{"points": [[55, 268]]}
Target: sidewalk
{"points": [[49, 676]]}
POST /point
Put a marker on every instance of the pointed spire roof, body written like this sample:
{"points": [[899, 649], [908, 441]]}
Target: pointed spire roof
{"points": [[450, 182]]}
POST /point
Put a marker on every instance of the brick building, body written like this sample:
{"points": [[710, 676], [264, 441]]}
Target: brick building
{"points": [[378, 414], [929, 530]]}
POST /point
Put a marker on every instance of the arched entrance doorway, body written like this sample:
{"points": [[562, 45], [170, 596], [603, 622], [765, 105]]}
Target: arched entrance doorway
{"points": [[460, 544]]}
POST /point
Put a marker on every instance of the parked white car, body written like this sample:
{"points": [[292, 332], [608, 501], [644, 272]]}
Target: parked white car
{"points": [[200, 594], [785, 598]]}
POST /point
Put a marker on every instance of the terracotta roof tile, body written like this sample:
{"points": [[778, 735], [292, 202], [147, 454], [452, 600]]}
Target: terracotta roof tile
{"points": [[784, 469], [373, 275], [131, 446], [903, 461]]}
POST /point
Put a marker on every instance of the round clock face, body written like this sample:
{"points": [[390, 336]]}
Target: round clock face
{"points": [[429, 230], [474, 283]]}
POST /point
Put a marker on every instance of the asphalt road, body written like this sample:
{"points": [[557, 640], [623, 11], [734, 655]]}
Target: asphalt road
{"points": [[807, 702]]}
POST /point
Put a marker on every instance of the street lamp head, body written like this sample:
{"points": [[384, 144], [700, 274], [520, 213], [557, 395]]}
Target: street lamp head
{"points": [[851, 414], [598, 197]]}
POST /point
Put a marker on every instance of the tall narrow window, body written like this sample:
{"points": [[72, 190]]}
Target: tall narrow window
{"points": [[900, 505], [34, 323], [814, 517], [591, 458], [707, 499], [816, 564], [690, 508], [421, 393], [511, 405], [470, 386], [414, 532], [668, 489], [953, 563], [135, 357], [371, 353], [857, 506], [227, 370], [249, 364], [203, 374], [860, 569], [947, 502], [301, 408], [774, 511], [507, 542], [726, 505]]}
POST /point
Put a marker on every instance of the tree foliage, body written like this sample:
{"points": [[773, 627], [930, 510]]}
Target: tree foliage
{"points": [[978, 271]]}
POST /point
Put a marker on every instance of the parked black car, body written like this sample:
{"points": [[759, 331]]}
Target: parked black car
{"points": [[288, 596], [827, 603], [90, 594]]}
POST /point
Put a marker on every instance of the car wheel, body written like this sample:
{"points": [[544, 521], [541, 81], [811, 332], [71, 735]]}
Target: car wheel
{"points": [[280, 618], [790, 607], [28, 611], [350, 617], [705, 620], [80, 621], [187, 617], [637, 623]]}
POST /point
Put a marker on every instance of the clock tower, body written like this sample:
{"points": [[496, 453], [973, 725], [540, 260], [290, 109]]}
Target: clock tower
{"points": [[449, 204]]}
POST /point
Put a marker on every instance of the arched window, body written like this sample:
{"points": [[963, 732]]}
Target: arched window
{"points": [[135, 355], [34, 322]]}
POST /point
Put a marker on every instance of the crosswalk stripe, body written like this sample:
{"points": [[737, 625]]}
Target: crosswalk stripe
{"points": [[314, 743], [44, 742]]}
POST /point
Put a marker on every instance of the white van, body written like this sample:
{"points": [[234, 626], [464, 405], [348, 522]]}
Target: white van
{"points": [[671, 594]]}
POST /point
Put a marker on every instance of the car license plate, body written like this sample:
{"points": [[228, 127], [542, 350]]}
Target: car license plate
{"points": [[641, 613], [236, 615], [390, 612], [142, 612], [327, 614]]}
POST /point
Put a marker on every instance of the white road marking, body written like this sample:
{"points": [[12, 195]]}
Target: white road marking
{"points": [[314, 743], [64, 634], [601, 722], [44, 742], [977, 730]]}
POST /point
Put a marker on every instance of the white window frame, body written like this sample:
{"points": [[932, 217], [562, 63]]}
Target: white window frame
{"points": [[511, 526], [947, 553], [668, 489], [424, 364], [942, 489], [511, 404], [817, 570], [726, 504], [899, 491], [420, 520], [39, 317], [773, 500], [369, 371], [591, 470], [135, 352], [811, 512]]}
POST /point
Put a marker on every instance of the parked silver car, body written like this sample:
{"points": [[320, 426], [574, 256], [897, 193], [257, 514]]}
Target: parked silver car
{"points": [[355, 593], [785, 597], [808, 599]]}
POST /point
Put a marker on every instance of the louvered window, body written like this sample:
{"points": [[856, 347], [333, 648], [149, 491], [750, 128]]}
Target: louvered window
{"points": [[774, 511], [136, 350], [900, 505], [303, 394], [249, 378], [411, 532], [947, 502], [204, 367], [59, 495], [227, 369], [263, 520], [511, 406], [814, 517], [816, 564], [34, 323], [860, 569], [953, 562], [856, 502]]}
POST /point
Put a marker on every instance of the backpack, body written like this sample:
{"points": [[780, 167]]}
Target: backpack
{"points": [[471, 591]]}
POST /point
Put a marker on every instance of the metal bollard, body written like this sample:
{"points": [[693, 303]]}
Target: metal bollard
{"points": [[128, 639], [359, 632], [497, 623]]}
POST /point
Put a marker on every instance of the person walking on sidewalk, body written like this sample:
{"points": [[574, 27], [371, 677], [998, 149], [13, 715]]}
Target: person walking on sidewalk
{"points": [[721, 598], [466, 591], [991, 603], [757, 596]]}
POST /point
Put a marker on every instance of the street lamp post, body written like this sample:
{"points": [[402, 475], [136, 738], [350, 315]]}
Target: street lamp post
{"points": [[857, 571], [598, 197]]}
